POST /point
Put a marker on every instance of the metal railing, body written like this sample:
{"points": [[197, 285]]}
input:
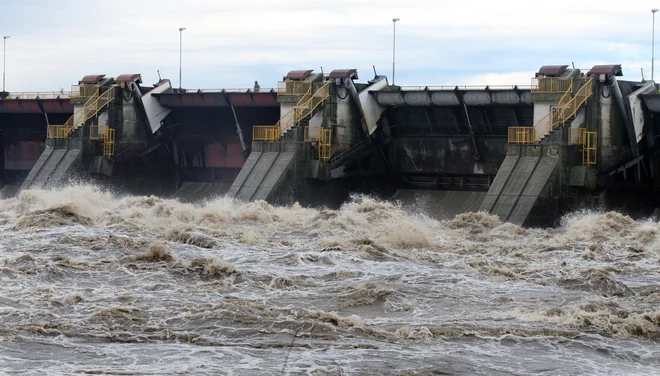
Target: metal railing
{"points": [[551, 84], [566, 109], [571, 108], [64, 131], [289, 87], [96, 131], [589, 148], [40, 95], [109, 143], [463, 87], [325, 145], [576, 136], [233, 90], [323, 139], [566, 98], [84, 91], [265, 133], [90, 109], [544, 125], [107, 135], [305, 107], [521, 135], [56, 131], [589, 142], [313, 133]]}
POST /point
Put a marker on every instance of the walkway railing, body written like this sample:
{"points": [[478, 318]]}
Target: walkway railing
{"points": [[323, 141], [567, 108], [576, 136], [325, 145], [231, 90], [571, 108], [462, 87], [90, 109], [40, 95], [64, 131], [588, 141], [305, 107], [551, 84], [293, 87], [105, 134], [589, 148], [521, 135]]}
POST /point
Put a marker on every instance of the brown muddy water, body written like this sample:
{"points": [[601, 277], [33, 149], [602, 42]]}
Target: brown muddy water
{"points": [[97, 284]]}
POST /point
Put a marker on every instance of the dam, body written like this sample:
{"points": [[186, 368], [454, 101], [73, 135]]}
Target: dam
{"points": [[572, 139]]}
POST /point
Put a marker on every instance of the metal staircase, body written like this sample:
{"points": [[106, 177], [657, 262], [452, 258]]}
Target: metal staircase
{"points": [[303, 109], [566, 110], [91, 109]]}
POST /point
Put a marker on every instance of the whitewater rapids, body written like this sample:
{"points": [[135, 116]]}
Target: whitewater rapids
{"points": [[91, 283]]}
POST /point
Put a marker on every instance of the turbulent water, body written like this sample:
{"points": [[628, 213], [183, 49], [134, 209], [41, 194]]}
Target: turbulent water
{"points": [[91, 283]]}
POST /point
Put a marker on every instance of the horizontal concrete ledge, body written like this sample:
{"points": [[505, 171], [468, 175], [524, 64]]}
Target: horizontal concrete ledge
{"points": [[453, 98]]}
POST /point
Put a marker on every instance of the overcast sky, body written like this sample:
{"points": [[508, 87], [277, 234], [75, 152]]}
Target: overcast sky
{"points": [[231, 43]]}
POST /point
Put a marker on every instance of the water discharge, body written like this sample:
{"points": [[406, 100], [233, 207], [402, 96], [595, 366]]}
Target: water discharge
{"points": [[97, 284]]}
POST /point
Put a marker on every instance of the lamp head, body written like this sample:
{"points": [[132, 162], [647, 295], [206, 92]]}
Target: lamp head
{"points": [[654, 10], [396, 19], [6, 37], [182, 28]]}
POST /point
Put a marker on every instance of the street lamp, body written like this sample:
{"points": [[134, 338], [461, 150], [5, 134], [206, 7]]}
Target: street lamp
{"points": [[181, 29], [654, 10], [4, 60], [394, 20]]}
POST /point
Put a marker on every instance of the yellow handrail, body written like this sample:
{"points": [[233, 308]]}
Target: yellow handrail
{"points": [[566, 98], [551, 84], [308, 107], [290, 87], [303, 108], [567, 107], [313, 133], [109, 142], [64, 131], [578, 100], [90, 109], [543, 126], [521, 135], [576, 136], [326, 143], [589, 148]]}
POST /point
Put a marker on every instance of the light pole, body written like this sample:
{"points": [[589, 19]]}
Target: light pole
{"points": [[4, 59], [654, 10], [394, 20], [181, 29]]}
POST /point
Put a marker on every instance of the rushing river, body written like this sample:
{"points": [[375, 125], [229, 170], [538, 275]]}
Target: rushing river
{"points": [[91, 283]]}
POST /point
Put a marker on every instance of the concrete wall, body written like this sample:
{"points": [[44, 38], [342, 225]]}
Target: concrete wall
{"points": [[446, 155], [541, 109], [316, 120], [102, 119], [131, 123], [77, 113], [285, 116], [347, 116]]}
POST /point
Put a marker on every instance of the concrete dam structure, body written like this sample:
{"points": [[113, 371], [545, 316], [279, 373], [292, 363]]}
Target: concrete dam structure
{"points": [[528, 154]]}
